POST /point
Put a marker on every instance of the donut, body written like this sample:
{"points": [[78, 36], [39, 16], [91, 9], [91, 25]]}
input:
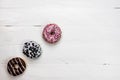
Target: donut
{"points": [[32, 49], [52, 33], [16, 66]]}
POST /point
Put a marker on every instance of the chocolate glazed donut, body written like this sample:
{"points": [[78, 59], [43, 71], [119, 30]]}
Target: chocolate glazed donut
{"points": [[16, 66], [52, 33]]}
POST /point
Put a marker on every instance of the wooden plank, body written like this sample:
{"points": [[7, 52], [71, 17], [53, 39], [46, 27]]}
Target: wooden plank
{"points": [[88, 50]]}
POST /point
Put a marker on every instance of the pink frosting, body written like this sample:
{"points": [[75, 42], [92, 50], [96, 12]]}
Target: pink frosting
{"points": [[52, 33]]}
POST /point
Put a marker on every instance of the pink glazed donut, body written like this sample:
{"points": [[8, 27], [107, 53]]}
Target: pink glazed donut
{"points": [[52, 33]]}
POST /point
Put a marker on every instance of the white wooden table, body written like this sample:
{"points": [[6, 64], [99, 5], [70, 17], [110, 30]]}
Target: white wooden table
{"points": [[88, 50]]}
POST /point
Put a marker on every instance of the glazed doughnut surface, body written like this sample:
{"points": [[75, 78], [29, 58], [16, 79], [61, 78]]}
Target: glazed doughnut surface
{"points": [[16, 66], [32, 49], [52, 33]]}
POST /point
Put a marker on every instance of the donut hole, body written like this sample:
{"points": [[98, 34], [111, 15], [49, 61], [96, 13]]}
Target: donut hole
{"points": [[16, 66], [52, 32]]}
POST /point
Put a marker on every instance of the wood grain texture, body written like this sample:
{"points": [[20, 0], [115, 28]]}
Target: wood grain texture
{"points": [[88, 50]]}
